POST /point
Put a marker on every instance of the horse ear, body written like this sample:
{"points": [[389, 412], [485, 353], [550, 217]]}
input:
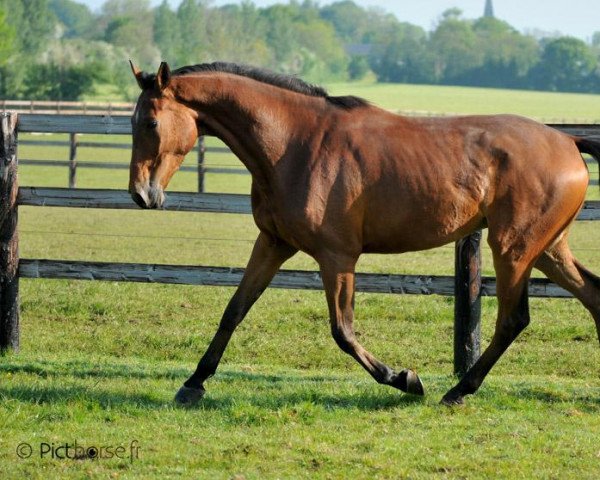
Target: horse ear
{"points": [[138, 74], [163, 77]]}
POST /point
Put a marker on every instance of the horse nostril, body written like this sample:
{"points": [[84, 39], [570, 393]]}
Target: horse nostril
{"points": [[137, 198]]}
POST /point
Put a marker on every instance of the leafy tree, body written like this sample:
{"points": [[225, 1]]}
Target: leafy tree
{"points": [[349, 20], [130, 26], [192, 16], [358, 67], [567, 64], [76, 17], [7, 47], [455, 47], [507, 55], [247, 45], [32, 21], [33, 26], [166, 32], [331, 60], [71, 45], [404, 57], [51, 81], [502, 44], [7, 36], [303, 43]]}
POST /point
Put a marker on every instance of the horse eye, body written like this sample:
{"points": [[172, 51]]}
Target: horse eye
{"points": [[152, 124]]}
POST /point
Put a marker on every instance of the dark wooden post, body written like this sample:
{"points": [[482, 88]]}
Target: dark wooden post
{"points": [[201, 152], [9, 254], [467, 302], [72, 160]]}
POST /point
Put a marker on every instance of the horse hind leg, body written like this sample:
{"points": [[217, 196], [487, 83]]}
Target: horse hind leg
{"points": [[560, 266], [513, 317], [338, 281]]}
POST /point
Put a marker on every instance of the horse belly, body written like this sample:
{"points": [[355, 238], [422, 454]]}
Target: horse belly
{"points": [[403, 230]]}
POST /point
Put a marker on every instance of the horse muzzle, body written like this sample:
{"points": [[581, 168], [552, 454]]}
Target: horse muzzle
{"points": [[148, 196]]}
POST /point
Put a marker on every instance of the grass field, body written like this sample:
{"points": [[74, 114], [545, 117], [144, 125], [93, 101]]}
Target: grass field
{"points": [[100, 361], [549, 107]]}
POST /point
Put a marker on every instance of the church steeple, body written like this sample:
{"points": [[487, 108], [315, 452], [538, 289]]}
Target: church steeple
{"points": [[489, 9]]}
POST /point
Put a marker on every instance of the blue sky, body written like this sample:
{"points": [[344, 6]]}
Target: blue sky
{"points": [[573, 17]]}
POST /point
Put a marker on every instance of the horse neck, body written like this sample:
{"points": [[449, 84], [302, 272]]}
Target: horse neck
{"points": [[258, 122]]}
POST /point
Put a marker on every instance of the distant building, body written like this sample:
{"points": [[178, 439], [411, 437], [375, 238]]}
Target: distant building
{"points": [[489, 9]]}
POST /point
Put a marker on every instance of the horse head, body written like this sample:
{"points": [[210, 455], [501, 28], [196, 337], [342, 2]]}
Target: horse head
{"points": [[164, 131]]}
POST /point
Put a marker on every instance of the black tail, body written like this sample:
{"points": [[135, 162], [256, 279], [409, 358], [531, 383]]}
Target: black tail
{"points": [[591, 147]]}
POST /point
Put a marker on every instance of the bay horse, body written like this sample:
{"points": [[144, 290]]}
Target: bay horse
{"points": [[336, 177]]}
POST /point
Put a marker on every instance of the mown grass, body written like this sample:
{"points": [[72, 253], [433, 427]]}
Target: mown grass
{"points": [[101, 361], [550, 107]]}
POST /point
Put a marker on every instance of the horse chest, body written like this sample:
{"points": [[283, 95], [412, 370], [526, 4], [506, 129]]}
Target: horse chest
{"points": [[292, 221]]}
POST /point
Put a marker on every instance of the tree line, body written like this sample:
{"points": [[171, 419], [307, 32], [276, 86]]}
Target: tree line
{"points": [[60, 49]]}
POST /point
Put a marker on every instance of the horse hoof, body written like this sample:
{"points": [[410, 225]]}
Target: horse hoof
{"points": [[409, 382], [452, 400], [189, 397], [414, 386]]}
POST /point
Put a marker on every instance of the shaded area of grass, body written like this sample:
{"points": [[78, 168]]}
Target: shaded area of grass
{"points": [[276, 422]]}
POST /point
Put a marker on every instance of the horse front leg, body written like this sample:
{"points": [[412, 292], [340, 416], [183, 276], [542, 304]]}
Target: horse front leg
{"points": [[338, 281], [267, 256]]}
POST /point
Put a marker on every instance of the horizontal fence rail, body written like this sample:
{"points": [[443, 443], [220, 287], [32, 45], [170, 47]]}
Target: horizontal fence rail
{"points": [[467, 283], [125, 166], [116, 146], [287, 279], [67, 107], [104, 124], [63, 107], [100, 124], [121, 199], [75, 124], [176, 201]]}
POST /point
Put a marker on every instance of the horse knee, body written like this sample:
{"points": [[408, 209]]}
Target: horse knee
{"points": [[513, 326]]}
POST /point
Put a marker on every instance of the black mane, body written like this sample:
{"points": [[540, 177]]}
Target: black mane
{"points": [[288, 82]]}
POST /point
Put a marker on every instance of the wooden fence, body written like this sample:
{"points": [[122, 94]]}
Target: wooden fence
{"points": [[66, 124], [75, 144], [467, 285], [60, 107]]}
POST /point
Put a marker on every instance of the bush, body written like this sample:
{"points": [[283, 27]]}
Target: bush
{"points": [[55, 82]]}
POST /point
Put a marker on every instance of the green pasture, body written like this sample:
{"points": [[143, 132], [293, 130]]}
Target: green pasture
{"points": [[549, 107], [101, 361]]}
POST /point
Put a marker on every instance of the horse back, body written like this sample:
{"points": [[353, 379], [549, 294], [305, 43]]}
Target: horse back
{"points": [[379, 182]]}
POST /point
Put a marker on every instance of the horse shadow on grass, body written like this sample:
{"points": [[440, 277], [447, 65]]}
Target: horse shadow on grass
{"points": [[59, 395], [267, 398], [268, 391]]}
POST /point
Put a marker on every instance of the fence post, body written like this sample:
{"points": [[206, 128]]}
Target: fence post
{"points": [[467, 302], [201, 152], [72, 160], [9, 253]]}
